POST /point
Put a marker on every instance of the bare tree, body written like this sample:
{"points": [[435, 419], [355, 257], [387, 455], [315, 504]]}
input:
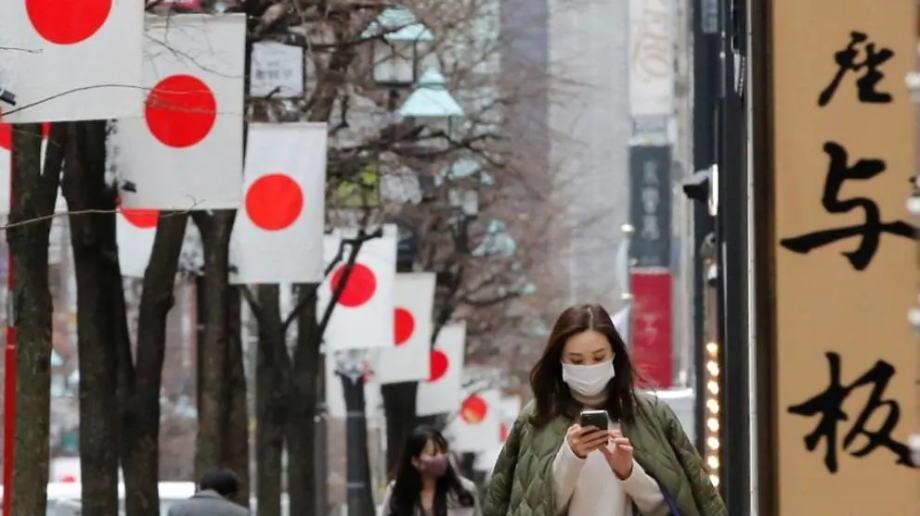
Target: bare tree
{"points": [[100, 312], [35, 191], [140, 376]]}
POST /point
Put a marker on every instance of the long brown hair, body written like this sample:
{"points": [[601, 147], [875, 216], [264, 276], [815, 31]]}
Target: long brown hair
{"points": [[552, 394]]}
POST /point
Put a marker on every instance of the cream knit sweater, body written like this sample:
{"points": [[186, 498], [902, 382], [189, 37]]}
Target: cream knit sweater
{"points": [[588, 487]]}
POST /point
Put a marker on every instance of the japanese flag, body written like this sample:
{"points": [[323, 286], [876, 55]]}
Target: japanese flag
{"points": [[440, 393], [476, 428], [71, 60], [185, 151], [408, 360], [278, 235], [363, 317], [135, 231]]}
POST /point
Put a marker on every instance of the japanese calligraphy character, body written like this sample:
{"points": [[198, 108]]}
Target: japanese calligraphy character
{"points": [[829, 405], [866, 84], [870, 231], [650, 227]]}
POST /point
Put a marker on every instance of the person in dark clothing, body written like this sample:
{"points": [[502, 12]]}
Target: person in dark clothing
{"points": [[216, 489]]}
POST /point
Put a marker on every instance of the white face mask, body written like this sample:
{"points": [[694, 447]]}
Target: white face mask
{"points": [[588, 380]]}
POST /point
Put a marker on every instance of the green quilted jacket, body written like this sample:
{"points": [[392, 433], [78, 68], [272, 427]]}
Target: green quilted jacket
{"points": [[522, 485]]}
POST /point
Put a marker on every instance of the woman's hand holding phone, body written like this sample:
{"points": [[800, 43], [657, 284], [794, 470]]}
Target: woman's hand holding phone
{"points": [[584, 440]]}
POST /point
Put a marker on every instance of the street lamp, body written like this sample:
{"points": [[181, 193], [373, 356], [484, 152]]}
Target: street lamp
{"points": [[396, 50], [430, 99], [431, 102]]}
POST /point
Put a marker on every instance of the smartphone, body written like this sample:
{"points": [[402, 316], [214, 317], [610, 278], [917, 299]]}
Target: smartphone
{"points": [[595, 418]]}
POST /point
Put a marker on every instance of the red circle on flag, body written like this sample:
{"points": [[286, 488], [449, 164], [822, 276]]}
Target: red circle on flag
{"points": [[69, 22], [360, 288], [274, 202], [474, 410], [6, 134], [180, 111], [439, 365], [144, 219], [404, 326]]}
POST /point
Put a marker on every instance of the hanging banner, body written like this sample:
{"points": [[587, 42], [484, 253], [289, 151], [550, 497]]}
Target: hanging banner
{"points": [[652, 29], [477, 426], [68, 61], [845, 266], [650, 206], [185, 152], [363, 317], [408, 359], [135, 231], [277, 70], [278, 235], [651, 325], [440, 393]]}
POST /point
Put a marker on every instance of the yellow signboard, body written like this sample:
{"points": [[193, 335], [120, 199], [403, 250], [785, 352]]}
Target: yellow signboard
{"points": [[845, 269]]}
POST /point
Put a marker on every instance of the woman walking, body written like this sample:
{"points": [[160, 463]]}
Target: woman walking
{"points": [[640, 462], [426, 482]]}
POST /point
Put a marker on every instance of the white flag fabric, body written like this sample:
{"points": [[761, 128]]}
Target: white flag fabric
{"points": [[476, 428], [278, 234], [74, 60], [135, 231], [185, 152], [363, 317], [408, 359], [440, 393], [6, 162]]}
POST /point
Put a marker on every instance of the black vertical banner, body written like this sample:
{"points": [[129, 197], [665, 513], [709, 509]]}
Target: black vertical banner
{"points": [[650, 206]]}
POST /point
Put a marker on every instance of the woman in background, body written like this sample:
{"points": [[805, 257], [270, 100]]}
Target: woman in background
{"points": [[426, 482]]}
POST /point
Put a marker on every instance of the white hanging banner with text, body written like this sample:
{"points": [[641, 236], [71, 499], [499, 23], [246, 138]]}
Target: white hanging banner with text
{"points": [[652, 29]]}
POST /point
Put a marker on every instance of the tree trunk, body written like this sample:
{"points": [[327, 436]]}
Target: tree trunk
{"points": [[301, 432], [141, 386], [359, 499], [235, 454], [212, 351], [33, 198], [399, 408], [98, 278], [272, 388]]}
